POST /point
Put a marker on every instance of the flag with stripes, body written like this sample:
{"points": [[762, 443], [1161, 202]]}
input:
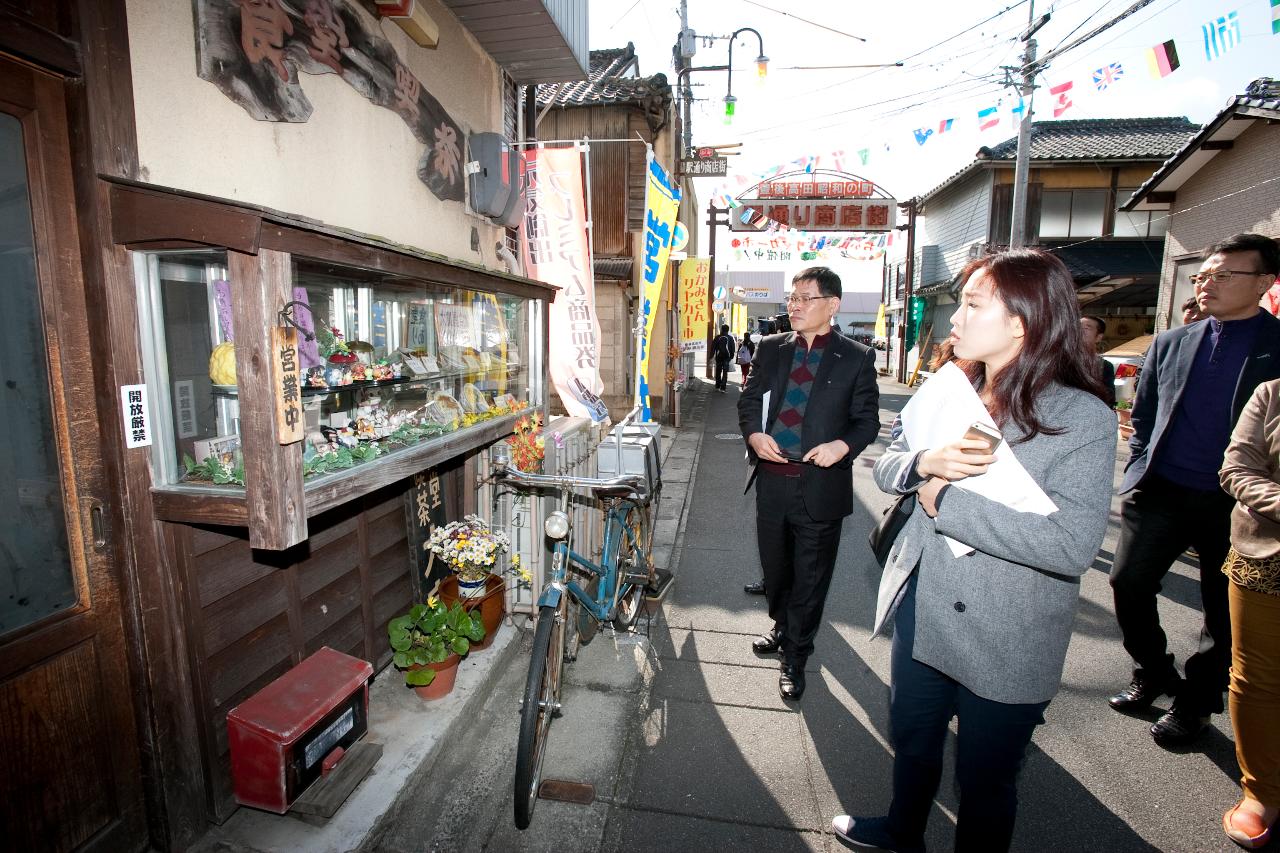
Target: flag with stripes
{"points": [[945, 125], [1016, 113], [1221, 35], [1064, 100], [1275, 17], [989, 118], [1108, 74], [1162, 59]]}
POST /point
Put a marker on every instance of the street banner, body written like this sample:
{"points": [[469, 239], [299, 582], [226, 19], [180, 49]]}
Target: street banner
{"points": [[881, 329], [694, 304], [661, 203], [554, 247]]}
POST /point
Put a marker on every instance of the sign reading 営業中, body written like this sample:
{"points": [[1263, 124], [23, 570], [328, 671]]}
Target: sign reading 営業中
{"points": [[287, 383]]}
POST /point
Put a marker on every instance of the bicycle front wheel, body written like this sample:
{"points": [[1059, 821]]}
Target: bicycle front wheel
{"points": [[541, 702]]}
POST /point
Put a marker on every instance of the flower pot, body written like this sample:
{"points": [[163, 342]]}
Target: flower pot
{"points": [[471, 589], [442, 684], [492, 603], [1125, 415]]}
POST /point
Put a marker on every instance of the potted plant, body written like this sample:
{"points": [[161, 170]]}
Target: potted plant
{"points": [[473, 551], [1124, 409], [528, 446], [429, 642]]}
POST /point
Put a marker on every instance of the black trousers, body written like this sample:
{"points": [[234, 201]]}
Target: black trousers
{"points": [[1158, 522], [722, 373], [798, 555], [991, 743]]}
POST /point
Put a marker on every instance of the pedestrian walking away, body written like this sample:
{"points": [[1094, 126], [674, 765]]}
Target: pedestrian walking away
{"points": [[811, 405], [722, 350], [983, 637], [1194, 383], [1251, 475], [746, 352]]}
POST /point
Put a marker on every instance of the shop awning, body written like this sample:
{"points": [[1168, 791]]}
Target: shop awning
{"points": [[1135, 348]]}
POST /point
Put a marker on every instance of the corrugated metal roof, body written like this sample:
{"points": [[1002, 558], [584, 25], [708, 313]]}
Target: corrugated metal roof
{"points": [[612, 80]]}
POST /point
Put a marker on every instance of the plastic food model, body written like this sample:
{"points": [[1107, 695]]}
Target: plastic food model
{"points": [[222, 364]]}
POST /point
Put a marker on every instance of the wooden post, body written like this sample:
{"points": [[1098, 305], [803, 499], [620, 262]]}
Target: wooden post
{"points": [[260, 286]]}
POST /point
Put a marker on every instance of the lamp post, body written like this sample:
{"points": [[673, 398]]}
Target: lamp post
{"points": [[762, 69]]}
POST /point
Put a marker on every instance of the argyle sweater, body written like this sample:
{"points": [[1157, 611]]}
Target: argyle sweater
{"points": [[804, 367]]}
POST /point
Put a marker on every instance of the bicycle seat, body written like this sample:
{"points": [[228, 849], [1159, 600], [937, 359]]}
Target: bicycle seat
{"points": [[623, 490]]}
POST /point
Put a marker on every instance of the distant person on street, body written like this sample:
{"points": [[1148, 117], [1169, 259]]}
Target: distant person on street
{"points": [[811, 405], [1191, 311], [746, 351], [722, 351], [1194, 383], [1091, 331], [983, 637], [1251, 475]]}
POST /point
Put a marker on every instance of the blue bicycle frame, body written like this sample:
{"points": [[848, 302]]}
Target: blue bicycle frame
{"points": [[602, 608]]}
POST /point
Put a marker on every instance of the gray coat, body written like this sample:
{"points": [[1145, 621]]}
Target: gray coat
{"points": [[999, 620]]}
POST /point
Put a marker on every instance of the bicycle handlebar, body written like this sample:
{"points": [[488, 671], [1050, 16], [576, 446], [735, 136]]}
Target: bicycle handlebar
{"points": [[634, 483]]}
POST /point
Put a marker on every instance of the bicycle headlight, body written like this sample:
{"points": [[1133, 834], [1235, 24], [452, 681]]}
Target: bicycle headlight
{"points": [[557, 525]]}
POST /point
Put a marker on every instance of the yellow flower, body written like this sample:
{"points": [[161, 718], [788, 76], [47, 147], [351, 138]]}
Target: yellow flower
{"points": [[432, 601]]}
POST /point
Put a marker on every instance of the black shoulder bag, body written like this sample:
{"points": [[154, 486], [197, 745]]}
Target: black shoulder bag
{"points": [[891, 523]]}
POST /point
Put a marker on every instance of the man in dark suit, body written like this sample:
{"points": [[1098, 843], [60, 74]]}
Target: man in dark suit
{"points": [[821, 411], [1193, 386]]}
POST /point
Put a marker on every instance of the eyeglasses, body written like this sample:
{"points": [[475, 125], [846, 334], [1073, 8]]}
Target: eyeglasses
{"points": [[1219, 276], [797, 299]]}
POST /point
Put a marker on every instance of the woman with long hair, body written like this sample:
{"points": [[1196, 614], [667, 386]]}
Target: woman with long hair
{"points": [[746, 352], [983, 636]]}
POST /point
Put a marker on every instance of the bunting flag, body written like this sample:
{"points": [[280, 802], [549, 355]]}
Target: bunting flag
{"points": [[1064, 100], [923, 134], [1017, 112], [1108, 74], [989, 117], [865, 153], [1221, 35], [945, 125], [1275, 17], [1162, 60]]}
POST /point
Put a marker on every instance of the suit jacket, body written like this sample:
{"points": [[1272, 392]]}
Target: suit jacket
{"points": [[1251, 474], [844, 403], [1164, 378], [999, 620]]}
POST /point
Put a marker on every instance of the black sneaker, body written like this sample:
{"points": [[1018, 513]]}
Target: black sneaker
{"points": [[870, 833]]}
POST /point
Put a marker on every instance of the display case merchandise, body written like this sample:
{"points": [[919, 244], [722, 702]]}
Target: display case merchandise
{"points": [[394, 373]]}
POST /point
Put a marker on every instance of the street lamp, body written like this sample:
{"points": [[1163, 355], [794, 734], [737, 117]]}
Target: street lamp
{"points": [[730, 103], [762, 68]]}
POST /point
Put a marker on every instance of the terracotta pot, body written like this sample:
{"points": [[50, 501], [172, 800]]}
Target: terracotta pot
{"points": [[1125, 415], [492, 604], [442, 684]]}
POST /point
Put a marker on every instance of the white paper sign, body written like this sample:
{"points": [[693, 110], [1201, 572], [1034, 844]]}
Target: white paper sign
{"points": [[137, 417], [184, 407]]}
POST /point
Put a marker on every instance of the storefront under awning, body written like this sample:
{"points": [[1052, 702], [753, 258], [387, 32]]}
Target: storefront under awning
{"points": [[1114, 273]]}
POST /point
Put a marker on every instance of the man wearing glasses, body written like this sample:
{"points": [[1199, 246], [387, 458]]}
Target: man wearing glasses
{"points": [[811, 405], [1193, 386]]}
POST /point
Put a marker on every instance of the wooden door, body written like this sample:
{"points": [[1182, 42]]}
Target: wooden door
{"points": [[69, 763]]}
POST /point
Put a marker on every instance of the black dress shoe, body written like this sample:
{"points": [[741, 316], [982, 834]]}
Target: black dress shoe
{"points": [[756, 588], [1142, 691], [791, 681], [1178, 727], [767, 643]]}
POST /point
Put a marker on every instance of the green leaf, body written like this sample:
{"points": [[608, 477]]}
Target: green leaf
{"points": [[437, 650], [401, 623], [401, 660], [422, 656], [401, 641], [189, 463], [419, 677], [460, 645], [476, 632], [416, 612]]}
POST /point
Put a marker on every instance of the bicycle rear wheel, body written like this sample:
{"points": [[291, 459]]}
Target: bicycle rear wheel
{"points": [[541, 701], [633, 562]]}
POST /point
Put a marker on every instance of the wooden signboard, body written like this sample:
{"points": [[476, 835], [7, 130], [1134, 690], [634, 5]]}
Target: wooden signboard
{"points": [[286, 384]]}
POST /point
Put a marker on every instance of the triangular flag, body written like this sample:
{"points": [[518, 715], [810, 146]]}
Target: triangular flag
{"points": [[1064, 100], [1162, 59], [988, 118]]}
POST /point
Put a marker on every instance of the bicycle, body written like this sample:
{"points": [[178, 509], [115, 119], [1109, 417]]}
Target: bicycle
{"points": [[568, 611]]}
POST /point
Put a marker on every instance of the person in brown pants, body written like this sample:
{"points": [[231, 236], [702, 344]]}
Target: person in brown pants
{"points": [[1249, 474]]}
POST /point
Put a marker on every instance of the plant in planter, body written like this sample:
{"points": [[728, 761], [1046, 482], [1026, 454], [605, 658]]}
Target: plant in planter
{"points": [[471, 548], [429, 642], [528, 447]]}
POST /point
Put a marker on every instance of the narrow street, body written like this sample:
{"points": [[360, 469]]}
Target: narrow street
{"points": [[704, 755]]}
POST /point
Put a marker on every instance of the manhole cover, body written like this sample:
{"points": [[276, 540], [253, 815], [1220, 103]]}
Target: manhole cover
{"points": [[729, 436]]}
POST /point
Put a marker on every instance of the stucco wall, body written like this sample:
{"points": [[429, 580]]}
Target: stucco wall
{"points": [[1199, 219], [352, 164]]}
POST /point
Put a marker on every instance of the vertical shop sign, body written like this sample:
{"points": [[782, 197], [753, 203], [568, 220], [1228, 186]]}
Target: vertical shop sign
{"points": [[288, 388], [426, 511], [694, 304], [184, 408], [661, 204], [137, 418]]}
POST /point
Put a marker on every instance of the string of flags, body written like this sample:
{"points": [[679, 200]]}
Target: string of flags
{"points": [[1219, 35], [799, 246]]}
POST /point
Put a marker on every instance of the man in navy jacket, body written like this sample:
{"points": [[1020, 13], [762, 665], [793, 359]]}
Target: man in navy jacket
{"points": [[1193, 386]]}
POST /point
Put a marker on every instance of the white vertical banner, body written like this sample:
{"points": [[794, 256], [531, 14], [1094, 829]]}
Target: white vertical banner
{"points": [[555, 248]]}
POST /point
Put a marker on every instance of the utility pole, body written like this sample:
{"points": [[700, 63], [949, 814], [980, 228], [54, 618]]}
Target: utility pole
{"points": [[910, 205], [1022, 166], [686, 45]]}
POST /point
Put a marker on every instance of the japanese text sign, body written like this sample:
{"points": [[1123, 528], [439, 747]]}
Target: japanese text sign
{"points": [[286, 384], [694, 316]]}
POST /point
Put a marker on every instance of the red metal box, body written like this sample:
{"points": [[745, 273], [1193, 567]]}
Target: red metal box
{"points": [[280, 735]]}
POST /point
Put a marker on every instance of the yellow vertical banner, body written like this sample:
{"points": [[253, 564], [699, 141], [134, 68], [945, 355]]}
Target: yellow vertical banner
{"points": [[881, 331], [738, 319], [661, 204], [695, 304]]}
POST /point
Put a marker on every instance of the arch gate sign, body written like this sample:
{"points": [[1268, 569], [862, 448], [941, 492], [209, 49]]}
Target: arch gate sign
{"points": [[821, 200]]}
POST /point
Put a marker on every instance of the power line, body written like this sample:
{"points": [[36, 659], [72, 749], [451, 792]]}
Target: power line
{"points": [[805, 20]]}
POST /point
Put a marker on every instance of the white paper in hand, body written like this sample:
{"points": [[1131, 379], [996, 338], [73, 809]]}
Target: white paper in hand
{"points": [[941, 412]]}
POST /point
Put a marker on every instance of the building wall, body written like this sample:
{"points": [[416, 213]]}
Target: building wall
{"points": [[1199, 220], [352, 164], [954, 219]]}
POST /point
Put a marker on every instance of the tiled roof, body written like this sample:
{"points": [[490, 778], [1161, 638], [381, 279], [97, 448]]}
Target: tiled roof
{"points": [[1087, 140], [1100, 139], [606, 83]]}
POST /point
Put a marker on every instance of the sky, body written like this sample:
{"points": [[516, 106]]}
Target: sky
{"points": [[951, 70]]}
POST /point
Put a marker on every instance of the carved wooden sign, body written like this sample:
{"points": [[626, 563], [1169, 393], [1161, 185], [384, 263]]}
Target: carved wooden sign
{"points": [[253, 50], [288, 387]]}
